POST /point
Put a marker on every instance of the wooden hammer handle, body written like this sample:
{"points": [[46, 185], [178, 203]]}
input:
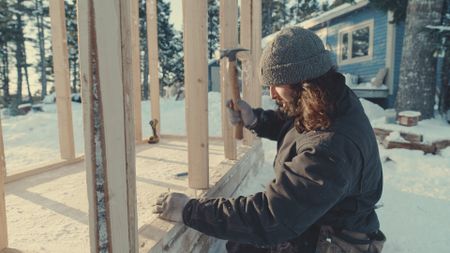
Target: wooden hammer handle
{"points": [[236, 95]]}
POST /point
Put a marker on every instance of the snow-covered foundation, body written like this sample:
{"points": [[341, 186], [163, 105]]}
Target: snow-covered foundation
{"points": [[183, 239]]}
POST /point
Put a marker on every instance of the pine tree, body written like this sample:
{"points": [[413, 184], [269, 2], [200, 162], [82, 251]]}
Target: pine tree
{"points": [[418, 68], [170, 48], [213, 27], [72, 43], [302, 9], [267, 9], [40, 13], [280, 16], [19, 9], [274, 16], [143, 46], [6, 36], [398, 7]]}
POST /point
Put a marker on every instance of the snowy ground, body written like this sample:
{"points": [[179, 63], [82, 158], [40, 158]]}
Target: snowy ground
{"points": [[415, 215]]}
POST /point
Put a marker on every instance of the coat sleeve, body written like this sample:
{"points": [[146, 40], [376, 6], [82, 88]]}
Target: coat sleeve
{"points": [[269, 123], [304, 190]]}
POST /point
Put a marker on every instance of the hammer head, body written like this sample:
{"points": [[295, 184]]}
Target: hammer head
{"points": [[231, 53]]}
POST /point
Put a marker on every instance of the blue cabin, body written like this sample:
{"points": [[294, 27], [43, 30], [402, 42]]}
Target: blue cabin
{"points": [[365, 45]]}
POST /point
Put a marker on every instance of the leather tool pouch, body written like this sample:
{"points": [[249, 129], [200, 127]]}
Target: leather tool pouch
{"points": [[349, 242]]}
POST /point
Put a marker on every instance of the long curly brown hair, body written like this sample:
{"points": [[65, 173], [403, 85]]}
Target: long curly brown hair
{"points": [[314, 102]]}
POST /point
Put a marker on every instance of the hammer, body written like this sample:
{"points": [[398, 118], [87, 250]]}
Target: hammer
{"points": [[231, 54]]}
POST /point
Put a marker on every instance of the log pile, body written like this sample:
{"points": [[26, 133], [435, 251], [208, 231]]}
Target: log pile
{"points": [[412, 141]]}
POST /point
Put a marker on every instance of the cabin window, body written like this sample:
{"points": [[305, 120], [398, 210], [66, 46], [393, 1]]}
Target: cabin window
{"points": [[356, 43]]}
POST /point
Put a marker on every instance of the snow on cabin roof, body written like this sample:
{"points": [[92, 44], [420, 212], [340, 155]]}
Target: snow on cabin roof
{"points": [[334, 13], [328, 15]]}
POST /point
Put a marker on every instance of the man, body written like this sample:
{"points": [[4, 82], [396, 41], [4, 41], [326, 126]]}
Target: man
{"points": [[328, 170]]}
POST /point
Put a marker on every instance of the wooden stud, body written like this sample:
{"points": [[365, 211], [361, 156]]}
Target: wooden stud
{"points": [[136, 68], [228, 39], [62, 79], [256, 50], [195, 37], [381, 134], [105, 28], [3, 223], [153, 59], [247, 70], [427, 148]]}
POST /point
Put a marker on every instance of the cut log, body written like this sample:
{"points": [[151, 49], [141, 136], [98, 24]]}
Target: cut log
{"points": [[383, 133], [441, 144], [427, 148], [408, 118]]}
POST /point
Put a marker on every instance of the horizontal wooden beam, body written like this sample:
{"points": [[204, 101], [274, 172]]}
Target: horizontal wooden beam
{"points": [[40, 168]]}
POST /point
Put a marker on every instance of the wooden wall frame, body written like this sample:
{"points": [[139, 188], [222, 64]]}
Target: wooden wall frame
{"points": [[228, 39], [195, 39], [153, 60], [62, 79], [105, 28]]}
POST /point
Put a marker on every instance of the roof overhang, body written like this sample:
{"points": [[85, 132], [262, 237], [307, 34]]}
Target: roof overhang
{"points": [[333, 13]]}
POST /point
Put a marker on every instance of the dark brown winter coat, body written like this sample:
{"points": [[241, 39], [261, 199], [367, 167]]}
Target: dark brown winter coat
{"points": [[328, 177]]}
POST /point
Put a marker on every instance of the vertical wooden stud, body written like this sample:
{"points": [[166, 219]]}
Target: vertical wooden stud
{"points": [[153, 59], [195, 36], [3, 223], [228, 39], [256, 50], [105, 28], [247, 68], [136, 69], [62, 79]]}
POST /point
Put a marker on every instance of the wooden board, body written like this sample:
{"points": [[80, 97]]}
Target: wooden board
{"points": [[247, 65], [62, 79], [441, 144], [228, 39], [383, 133], [427, 148], [256, 50], [195, 36], [3, 222], [40, 168], [105, 29], [135, 69], [153, 60]]}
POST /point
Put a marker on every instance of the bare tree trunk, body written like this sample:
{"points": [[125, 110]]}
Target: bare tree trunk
{"points": [[20, 43], [41, 40], [25, 67], [19, 59], [145, 79], [417, 84], [445, 90], [74, 76], [5, 73]]}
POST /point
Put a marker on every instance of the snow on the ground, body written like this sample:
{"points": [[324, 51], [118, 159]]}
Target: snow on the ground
{"points": [[415, 212]]}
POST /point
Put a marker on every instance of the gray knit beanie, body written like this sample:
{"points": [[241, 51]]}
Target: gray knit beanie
{"points": [[294, 55]]}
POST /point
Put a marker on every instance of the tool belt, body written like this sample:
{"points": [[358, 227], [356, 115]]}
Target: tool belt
{"points": [[344, 241]]}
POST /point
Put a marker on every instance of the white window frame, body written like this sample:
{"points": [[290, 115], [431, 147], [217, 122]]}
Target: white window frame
{"points": [[349, 30]]}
